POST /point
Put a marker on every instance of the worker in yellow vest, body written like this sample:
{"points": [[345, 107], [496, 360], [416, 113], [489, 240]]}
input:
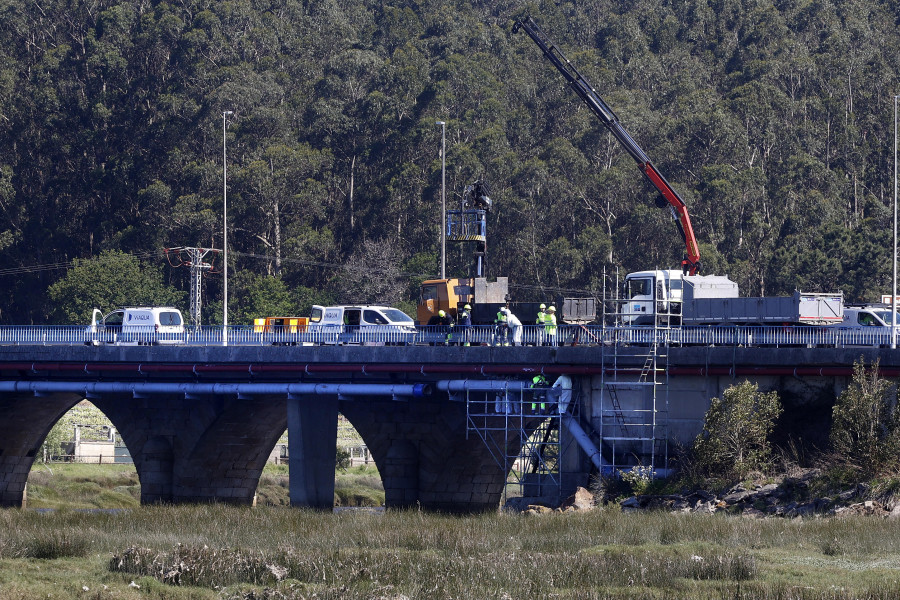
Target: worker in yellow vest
{"points": [[550, 325], [539, 337], [501, 331]]}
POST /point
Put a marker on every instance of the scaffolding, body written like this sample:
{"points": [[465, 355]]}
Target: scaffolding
{"points": [[634, 404], [520, 426]]}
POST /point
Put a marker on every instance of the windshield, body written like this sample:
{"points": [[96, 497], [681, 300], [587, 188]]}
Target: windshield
{"points": [[885, 315], [429, 292], [639, 287], [397, 316]]}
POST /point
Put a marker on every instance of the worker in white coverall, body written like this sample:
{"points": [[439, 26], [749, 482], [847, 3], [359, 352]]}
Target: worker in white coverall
{"points": [[563, 388], [515, 326]]}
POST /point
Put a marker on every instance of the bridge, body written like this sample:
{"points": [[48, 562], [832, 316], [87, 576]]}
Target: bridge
{"points": [[446, 425]]}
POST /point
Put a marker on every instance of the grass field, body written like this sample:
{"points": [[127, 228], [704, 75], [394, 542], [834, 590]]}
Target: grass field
{"points": [[275, 552], [214, 551]]}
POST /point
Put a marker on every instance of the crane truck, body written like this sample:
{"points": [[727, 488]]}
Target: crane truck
{"points": [[669, 297], [673, 297]]}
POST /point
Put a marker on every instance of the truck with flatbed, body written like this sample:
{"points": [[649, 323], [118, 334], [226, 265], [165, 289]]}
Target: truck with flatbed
{"points": [[668, 297]]}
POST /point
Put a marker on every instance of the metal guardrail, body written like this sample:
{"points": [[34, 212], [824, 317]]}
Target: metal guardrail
{"points": [[532, 335]]}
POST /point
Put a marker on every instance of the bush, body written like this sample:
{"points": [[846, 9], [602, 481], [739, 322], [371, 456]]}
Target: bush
{"points": [[865, 426], [734, 440]]}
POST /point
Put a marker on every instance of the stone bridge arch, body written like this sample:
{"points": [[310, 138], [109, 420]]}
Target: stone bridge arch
{"points": [[27, 419], [198, 449], [425, 457]]}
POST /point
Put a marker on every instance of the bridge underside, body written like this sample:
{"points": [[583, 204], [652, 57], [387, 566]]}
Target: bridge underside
{"points": [[211, 447], [214, 448]]}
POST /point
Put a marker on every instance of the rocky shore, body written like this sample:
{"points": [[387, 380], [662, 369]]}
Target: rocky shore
{"points": [[789, 498]]}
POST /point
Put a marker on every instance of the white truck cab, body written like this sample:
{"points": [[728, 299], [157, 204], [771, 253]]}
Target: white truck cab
{"points": [[361, 324], [137, 325], [642, 288]]}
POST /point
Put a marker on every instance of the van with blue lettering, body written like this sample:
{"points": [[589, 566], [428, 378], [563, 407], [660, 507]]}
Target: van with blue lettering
{"points": [[361, 324], [136, 326]]}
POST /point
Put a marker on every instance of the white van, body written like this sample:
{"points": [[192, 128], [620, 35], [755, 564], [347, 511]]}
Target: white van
{"points": [[867, 325], [137, 325], [361, 324]]}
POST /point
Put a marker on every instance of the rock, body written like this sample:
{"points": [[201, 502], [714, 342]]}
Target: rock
{"points": [[632, 502], [538, 509], [895, 513], [737, 496], [582, 499], [767, 490], [868, 507]]}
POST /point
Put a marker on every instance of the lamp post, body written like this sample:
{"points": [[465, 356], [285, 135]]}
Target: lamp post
{"points": [[225, 230], [894, 290], [443, 199]]}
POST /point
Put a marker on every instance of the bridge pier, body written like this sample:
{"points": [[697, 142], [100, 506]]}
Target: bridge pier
{"points": [[312, 446]]}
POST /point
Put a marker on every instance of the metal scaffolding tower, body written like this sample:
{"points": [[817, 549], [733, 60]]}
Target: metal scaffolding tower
{"points": [[520, 426], [634, 404]]}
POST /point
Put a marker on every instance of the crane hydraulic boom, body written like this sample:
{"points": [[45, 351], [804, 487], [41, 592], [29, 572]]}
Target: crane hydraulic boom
{"points": [[691, 262]]}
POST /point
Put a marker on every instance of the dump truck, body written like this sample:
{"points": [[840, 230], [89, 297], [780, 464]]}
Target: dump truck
{"points": [[670, 298]]}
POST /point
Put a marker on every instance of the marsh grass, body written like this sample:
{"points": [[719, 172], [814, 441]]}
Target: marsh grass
{"points": [[207, 551], [80, 485]]}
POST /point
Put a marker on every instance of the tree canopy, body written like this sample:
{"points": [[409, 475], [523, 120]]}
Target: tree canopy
{"points": [[773, 119]]}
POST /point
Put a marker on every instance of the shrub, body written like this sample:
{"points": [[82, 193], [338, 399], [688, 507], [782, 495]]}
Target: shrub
{"points": [[734, 440], [865, 426]]}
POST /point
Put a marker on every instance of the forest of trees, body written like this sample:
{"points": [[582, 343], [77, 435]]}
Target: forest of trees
{"points": [[773, 119]]}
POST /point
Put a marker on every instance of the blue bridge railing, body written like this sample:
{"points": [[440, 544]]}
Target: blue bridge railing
{"points": [[531, 335]]}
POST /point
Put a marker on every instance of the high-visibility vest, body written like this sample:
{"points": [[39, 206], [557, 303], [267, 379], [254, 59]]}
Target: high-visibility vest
{"points": [[550, 323], [540, 317], [501, 317]]}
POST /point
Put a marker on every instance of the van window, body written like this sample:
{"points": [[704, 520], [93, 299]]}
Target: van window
{"points": [[169, 318], [315, 315], [372, 317], [114, 318], [397, 316]]}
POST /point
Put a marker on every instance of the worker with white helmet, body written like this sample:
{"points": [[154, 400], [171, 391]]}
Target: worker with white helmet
{"points": [[501, 328], [541, 315], [515, 326]]}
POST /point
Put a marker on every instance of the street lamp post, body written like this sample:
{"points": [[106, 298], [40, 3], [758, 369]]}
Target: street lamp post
{"points": [[894, 290], [225, 231], [443, 199]]}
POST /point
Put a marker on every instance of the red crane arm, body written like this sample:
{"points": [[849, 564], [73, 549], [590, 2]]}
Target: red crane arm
{"points": [[691, 262]]}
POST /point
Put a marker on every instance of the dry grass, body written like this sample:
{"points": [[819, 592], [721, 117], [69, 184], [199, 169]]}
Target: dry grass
{"points": [[231, 552]]}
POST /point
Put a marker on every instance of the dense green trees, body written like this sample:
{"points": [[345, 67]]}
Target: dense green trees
{"points": [[773, 119]]}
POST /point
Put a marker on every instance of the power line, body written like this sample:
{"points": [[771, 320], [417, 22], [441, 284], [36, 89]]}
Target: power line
{"points": [[65, 265]]}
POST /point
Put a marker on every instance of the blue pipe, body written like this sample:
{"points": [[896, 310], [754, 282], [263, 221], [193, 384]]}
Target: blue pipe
{"points": [[481, 385], [416, 390]]}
